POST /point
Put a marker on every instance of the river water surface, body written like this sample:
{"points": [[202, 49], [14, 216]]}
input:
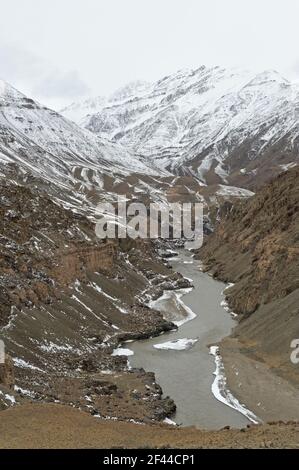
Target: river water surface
{"points": [[187, 375]]}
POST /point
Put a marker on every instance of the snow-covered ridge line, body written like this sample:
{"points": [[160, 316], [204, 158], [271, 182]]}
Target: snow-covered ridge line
{"points": [[194, 120], [72, 164]]}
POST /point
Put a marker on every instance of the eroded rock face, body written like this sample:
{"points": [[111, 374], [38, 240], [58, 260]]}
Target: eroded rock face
{"points": [[7, 378], [73, 263], [44, 249], [256, 246]]}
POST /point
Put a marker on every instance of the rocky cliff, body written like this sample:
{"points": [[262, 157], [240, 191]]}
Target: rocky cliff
{"points": [[43, 249], [256, 247]]}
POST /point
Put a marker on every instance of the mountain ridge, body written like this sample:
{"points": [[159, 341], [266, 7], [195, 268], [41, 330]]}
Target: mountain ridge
{"points": [[216, 124], [75, 166]]}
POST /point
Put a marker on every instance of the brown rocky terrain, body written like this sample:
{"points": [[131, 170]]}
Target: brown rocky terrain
{"points": [[7, 378], [256, 247], [67, 301], [55, 427]]}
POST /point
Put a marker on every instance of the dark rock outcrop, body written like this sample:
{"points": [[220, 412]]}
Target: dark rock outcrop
{"points": [[7, 378]]}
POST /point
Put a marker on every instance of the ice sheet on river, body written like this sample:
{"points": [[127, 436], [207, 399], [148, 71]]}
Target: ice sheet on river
{"points": [[178, 344], [183, 312]]}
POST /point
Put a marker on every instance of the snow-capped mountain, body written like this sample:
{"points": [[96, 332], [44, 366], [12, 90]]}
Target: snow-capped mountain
{"points": [[81, 112], [73, 164], [222, 126]]}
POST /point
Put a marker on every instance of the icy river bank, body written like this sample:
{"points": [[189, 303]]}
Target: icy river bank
{"points": [[186, 366]]}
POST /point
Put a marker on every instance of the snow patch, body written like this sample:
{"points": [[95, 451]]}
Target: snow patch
{"points": [[170, 422], [122, 352], [25, 365], [51, 347], [233, 191], [8, 397], [24, 391]]}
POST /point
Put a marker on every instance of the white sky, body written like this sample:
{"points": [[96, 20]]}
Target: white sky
{"points": [[59, 51]]}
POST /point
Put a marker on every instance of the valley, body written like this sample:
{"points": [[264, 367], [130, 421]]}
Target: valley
{"points": [[187, 374], [74, 307]]}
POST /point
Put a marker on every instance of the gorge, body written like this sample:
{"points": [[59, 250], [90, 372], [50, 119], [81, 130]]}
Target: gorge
{"points": [[69, 301]]}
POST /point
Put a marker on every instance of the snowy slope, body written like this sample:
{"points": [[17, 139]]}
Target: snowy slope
{"points": [[70, 161], [55, 134], [209, 122], [81, 112]]}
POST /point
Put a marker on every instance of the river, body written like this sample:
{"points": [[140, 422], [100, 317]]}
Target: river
{"points": [[187, 375]]}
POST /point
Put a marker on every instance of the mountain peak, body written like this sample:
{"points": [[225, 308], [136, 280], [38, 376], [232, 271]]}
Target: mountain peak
{"points": [[131, 89], [194, 120], [8, 92]]}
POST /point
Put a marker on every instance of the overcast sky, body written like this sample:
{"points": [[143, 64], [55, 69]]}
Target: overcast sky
{"points": [[60, 51]]}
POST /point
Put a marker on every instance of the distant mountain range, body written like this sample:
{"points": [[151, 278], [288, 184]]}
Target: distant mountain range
{"points": [[203, 135], [79, 167], [220, 126]]}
